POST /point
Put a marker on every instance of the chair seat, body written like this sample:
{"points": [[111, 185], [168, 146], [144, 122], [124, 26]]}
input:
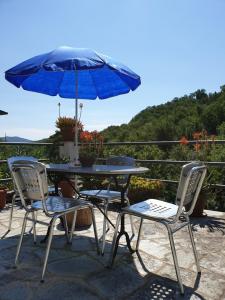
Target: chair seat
{"points": [[101, 194], [153, 208], [58, 204]]}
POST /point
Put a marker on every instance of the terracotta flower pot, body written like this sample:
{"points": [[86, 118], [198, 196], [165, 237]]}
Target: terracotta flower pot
{"points": [[198, 210], [200, 205], [66, 188], [2, 198], [84, 218]]}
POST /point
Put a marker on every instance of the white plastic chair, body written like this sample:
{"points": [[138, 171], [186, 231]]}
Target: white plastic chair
{"points": [[31, 182], [173, 216], [108, 195]]}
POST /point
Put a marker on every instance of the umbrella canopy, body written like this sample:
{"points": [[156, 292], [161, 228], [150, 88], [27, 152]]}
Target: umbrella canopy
{"points": [[58, 72], [2, 112], [76, 73]]}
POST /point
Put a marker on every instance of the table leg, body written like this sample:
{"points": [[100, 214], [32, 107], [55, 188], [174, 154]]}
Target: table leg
{"points": [[122, 228]]}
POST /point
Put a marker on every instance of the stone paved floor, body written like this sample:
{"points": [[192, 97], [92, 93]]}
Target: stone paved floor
{"points": [[77, 272]]}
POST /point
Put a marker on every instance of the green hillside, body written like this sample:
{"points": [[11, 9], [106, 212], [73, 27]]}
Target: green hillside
{"points": [[169, 121]]}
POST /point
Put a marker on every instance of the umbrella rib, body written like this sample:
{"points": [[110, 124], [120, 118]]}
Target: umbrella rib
{"points": [[61, 80], [94, 84], [101, 59], [118, 75]]}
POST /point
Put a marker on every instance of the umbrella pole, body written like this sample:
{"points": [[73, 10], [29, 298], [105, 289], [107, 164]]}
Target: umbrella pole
{"points": [[76, 120]]}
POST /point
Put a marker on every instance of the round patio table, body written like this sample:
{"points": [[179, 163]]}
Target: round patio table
{"points": [[58, 172]]}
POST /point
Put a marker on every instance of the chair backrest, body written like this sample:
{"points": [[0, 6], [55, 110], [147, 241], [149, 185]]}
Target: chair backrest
{"points": [[121, 161], [13, 159], [31, 181], [190, 184]]}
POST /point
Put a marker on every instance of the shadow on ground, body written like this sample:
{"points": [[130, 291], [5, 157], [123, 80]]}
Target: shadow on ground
{"points": [[212, 224], [77, 272]]}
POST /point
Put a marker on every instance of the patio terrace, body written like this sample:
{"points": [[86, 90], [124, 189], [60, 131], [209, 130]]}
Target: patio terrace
{"points": [[76, 272]]}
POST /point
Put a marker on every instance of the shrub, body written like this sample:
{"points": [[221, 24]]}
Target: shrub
{"points": [[142, 188]]}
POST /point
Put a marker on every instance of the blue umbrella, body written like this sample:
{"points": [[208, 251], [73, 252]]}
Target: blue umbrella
{"points": [[76, 73], [2, 112]]}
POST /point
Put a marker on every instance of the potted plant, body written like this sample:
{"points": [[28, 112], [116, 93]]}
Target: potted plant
{"points": [[205, 194], [91, 147], [143, 188], [67, 127], [200, 152]]}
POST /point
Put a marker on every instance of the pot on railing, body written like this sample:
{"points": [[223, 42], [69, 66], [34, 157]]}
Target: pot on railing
{"points": [[67, 127], [67, 134]]}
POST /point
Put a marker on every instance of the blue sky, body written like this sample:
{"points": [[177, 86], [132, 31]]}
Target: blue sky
{"points": [[176, 46]]}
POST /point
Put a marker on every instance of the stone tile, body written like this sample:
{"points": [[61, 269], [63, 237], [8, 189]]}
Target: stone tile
{"points": [[211, 285], [210, 245], [143, 263], [68, 290], [213, 263], [16, 290], [154, 248], [55, 254], [117, 282], [8, 242], [27, 256], [168, 272], [185, 257], [80, 266]]}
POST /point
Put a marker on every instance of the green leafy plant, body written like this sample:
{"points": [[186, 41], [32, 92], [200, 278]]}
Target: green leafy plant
{"points": [[91, 147]]}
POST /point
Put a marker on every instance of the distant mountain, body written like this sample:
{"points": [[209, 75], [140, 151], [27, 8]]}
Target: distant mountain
{"points": [[15, 139]]}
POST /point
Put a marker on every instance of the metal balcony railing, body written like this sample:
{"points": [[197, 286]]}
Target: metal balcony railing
{"points": [[116, 144]]}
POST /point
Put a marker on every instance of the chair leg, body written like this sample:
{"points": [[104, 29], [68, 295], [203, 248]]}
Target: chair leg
{"points": [[194, 248], [11, 212], [131, 219], [104, 226], [111, 257], [177, 269], [34, 227], [73, 226], [139, 235], [66, 228], [52, 225], [95, 229], [21, 237]]}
